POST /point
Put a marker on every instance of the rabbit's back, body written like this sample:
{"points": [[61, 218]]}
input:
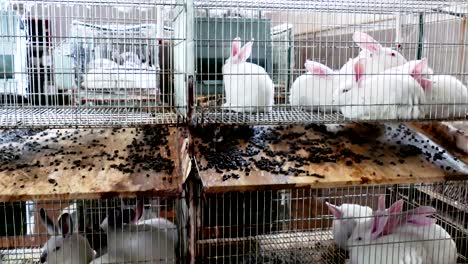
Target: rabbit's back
{"points": [[435, 240], [450, 91], [141, 243], [390, 249], [310, 90], [387, 96], [247, 85]]}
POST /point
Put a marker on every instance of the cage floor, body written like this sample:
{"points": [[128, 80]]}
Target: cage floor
{"points": [[21, 256], [80, 117], [279, 115], [249, 158], [281, 248], [293, 247], [91, 163]]}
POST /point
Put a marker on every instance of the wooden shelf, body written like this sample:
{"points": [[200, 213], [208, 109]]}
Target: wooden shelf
{"points": [[451, 135], [356, 155], [92, 163]]}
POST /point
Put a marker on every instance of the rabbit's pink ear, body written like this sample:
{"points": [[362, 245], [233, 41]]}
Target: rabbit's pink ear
{"points": [[418, 71], [245, 51], [235, 46], [419, 216], [138, 212], [359, 69], [335, 210], [385, 224], [366, 42], [66, 225], [381, 203], [317, 68], [425, 83]]}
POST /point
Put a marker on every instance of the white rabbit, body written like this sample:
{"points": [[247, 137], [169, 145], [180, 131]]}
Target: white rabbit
{"points": [[315, 88], [447, 97], [101, 64], [130, 57], [247, 86], [379, 58], [147, 218], [132, 242], [346, 217], [392, 94], [438, 243], [100, 78], [369, 244], [67, 247]]}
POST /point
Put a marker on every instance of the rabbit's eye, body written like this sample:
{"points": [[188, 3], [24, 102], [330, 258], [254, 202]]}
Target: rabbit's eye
{"points": [[57, 248], [393, 54], [359, 238]]}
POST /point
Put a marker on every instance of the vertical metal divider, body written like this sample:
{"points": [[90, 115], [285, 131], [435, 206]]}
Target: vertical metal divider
{"points": [[192, 184], [420, 36]]}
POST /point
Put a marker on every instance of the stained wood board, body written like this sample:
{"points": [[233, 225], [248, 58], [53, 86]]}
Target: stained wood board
{"points": [[451, 135], [359, 154], [91, 163]]}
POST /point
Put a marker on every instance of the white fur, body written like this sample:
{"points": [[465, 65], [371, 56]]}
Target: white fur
{"points": [[150, 240], [120, 78], [439, 244], [447, 90], [314, 91], [130, 57], [248, 88], [140, 242], [392, 94], [68, 248], [101, 64], [389, 249], [378, 58], [343, 227]]}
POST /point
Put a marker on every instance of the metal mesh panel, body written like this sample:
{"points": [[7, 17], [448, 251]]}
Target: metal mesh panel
{"points": [[273, 84], [85, 63], [96, 231], [295, 225]]}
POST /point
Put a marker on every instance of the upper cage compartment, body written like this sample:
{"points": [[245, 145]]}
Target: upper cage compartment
{"points": [[88, 63], [290, 61]]}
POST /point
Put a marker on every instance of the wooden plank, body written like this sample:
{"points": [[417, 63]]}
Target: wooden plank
{"points": [[93, 163], [451, 135], [312, 156]]}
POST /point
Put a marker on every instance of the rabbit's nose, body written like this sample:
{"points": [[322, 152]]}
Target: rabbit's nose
{"points": [[43, 257]]}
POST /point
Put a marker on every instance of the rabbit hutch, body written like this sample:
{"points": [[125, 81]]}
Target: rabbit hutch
{"points": [[93, 159], [296, 134], [201, 131]]}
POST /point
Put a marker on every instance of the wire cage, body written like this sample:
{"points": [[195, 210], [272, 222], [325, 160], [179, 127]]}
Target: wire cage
{"points": [[296, 225], [260, 62], [88, 63], [114, 230]]}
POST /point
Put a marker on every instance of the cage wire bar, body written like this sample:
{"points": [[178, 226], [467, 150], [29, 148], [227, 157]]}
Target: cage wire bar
{"points": [[275, 86], [94, 231], [92, 63], [295, 225]]}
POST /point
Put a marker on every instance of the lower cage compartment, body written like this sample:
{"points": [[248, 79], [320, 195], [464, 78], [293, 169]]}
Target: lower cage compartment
{"points": [[295, 225], [114, 230]]}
